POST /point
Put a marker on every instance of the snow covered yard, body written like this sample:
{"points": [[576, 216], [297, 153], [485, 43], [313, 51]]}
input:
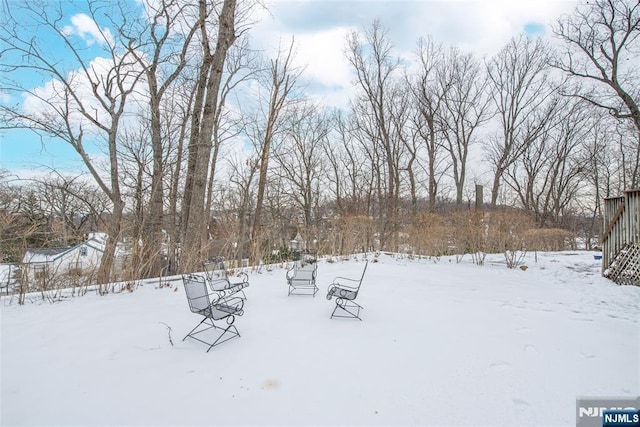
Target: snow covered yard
{"points": [[440, 344]]}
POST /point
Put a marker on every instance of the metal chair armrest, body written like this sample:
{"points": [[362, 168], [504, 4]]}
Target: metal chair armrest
{"points": [[227, 307], [341, 292], [243, 281], [337, 282], [217, 285], [231, 304], [291, 273]]}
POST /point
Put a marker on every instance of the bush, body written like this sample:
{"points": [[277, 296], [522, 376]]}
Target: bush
{"points": [[281, 255], [549, 239]]}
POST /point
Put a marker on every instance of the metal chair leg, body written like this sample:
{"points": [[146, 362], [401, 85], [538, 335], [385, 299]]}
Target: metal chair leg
{"points": [[350, 307]]}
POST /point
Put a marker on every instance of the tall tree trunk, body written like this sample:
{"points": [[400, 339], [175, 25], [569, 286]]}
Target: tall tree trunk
{"points": [[108, 257], [152, 242], [196, 220]]}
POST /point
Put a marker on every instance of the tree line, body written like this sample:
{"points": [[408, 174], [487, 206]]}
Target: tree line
{"points": [[207, 146]]}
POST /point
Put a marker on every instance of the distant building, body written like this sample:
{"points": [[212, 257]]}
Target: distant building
{"points": [[8, 277], [41, 263]]}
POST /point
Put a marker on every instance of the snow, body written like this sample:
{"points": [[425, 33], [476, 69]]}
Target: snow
{"points": [[440, 343]]}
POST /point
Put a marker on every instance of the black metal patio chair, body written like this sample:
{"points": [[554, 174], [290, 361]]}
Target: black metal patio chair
{"points": [[213, 307], [219, 281], [346, 290], [301, 278]]}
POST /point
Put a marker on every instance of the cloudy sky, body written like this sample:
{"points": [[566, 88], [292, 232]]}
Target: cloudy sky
{"points": [[319, 28]]}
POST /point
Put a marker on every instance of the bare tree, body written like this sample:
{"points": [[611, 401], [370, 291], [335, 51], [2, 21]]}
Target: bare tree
{"points": [[372, 60], [82, 106], [160, 44], [523, 174], [601, 46], [600, 171], [629, 150], [519, 87], [14, 229], [177, 112], [350, 179], [72, 205], [279, 81], [228, 123], [465, 109], [401, 115], [428, 93], [203, 120], [569, 161], [548, 175], [136, 154], [241, 198], [299, 159]]}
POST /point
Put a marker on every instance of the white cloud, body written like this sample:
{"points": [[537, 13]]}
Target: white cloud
{"points": [[43, 98], [87, 29], [485, 27], [326, 67], [322, 53], [5, 98], [320, 28]]}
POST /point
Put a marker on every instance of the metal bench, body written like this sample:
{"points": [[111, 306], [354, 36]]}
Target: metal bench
{"points": [[346, 290], [212, 307]]}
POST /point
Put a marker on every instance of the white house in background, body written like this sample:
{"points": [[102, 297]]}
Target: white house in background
{"points": [[74, 260]]}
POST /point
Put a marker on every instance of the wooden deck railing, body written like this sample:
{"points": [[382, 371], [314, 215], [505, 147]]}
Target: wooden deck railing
{"points": [[621, 238]]}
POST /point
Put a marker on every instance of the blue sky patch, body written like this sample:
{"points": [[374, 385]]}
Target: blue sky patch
{"points": [[534, 29]]}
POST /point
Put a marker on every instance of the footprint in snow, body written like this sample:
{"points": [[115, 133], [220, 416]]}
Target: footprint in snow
{"points": [[500, 365], [520, 402]]}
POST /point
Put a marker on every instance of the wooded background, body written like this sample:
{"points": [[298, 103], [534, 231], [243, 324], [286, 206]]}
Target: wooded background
{"points": [[211, 148]]}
